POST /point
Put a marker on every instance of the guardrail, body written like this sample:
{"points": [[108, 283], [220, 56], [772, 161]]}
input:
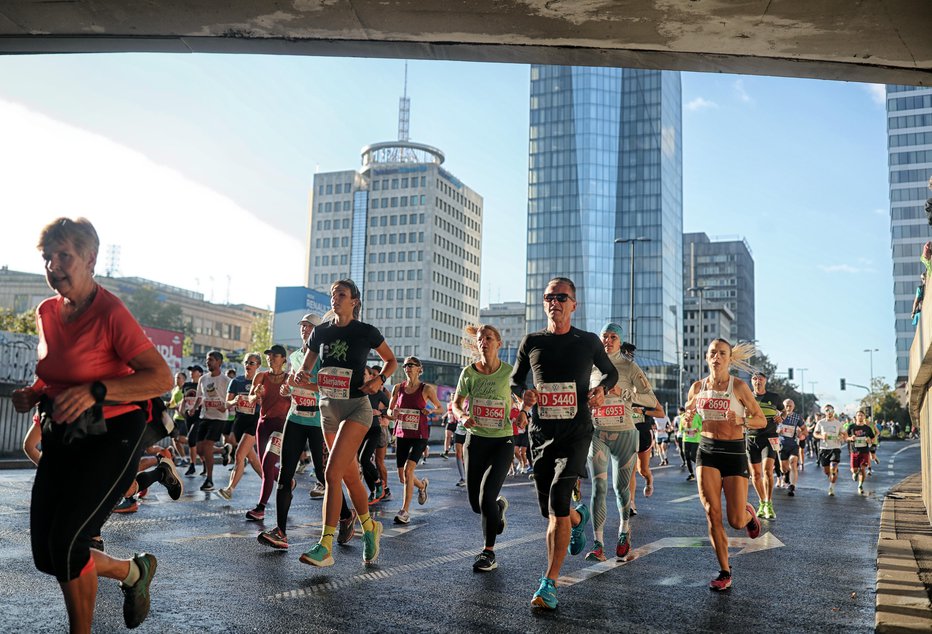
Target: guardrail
{"points": [[13, 425], [920, 405]]}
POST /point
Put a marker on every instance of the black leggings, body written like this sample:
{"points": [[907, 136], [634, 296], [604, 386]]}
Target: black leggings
{"points": [[690, 449], [366, 450], [96, 471], [487, 463], [296, 438]]}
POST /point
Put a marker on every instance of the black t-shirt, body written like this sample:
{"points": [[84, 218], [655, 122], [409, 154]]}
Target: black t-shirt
{"points": [[379, 398], [858, 435], [771, 404], [564, 358], [344, 347]]}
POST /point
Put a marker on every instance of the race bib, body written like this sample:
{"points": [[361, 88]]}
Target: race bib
{"points": [[334, 382], [213, 403], [713, 408], [774, 443], [557, 401], [610, 414], [788, 431], [275, 443], [860, 442], [243, 406], [303, 397], [489, 413], [409, 419]]}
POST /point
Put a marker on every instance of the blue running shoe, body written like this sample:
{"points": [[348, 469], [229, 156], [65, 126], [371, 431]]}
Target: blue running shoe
{"points": [[546, 595], [578, 534]]}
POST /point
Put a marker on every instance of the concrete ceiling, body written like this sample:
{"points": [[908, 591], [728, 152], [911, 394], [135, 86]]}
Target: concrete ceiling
{"points": [[885, 41]]}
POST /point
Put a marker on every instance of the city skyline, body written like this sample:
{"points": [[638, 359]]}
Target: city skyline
{"points": [[181, 131]]}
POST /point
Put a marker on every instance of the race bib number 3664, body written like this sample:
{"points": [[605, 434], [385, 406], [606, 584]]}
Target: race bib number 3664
{"points": [[489, 413], [334, 382], [557, 401]]}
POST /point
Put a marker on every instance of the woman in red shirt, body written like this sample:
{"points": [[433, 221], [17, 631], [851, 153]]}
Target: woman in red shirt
{"points": [[95, 361]]}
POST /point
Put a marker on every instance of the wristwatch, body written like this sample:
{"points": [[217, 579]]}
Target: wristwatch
{"points": [[383, 377], [98, 391]]}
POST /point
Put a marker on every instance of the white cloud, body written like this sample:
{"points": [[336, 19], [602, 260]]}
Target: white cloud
{"points": [[840, 268], [741, 92], [699, 103], [880, 212], [878, 93], [170, 229]]}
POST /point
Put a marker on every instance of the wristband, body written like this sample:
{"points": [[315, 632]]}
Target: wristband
{"points": [[383, 377], [98, 391]]}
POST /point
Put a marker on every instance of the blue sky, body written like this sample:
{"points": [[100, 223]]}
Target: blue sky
{"points": [[199, 166]]}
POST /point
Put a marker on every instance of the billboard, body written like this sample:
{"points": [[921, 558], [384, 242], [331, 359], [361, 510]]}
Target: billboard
{"points": [[291, 304], [168, 343]]}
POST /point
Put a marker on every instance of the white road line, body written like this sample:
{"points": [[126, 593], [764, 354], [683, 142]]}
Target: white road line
{"points": [[685, 499], [914, 445], [890, 473], [518, 484]]}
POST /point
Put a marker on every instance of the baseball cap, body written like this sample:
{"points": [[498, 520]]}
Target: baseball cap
{"points": [[761, 373], [311, 318], [195, 368], [277, 349]]}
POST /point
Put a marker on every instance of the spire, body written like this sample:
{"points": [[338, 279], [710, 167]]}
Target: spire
{"points": [[404, 111]]}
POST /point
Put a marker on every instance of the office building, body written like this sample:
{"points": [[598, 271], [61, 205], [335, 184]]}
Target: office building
{"points": [[606, 163], [510, 319], [909, 142], [717, 321], [724, 269]]}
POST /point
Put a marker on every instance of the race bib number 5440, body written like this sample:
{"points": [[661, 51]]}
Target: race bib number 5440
{"points": [[557, 401]]}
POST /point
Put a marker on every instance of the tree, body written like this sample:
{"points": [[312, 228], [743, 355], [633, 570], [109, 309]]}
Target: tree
{"points": [[886, 405], [261, 334], [23, 323], [149, 310]]}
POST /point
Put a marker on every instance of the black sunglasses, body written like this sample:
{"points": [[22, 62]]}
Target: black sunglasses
{"points": [[251, 363], [560, 297], [410, 365]]}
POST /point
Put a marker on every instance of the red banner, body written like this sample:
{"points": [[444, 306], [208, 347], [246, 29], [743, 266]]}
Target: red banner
{"points": [[168, 343]]}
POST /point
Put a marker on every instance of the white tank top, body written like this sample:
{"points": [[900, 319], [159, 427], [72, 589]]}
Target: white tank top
{"points": [[714, 405]]}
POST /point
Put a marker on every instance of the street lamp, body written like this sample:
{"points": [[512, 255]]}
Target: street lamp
{"points": [[679, 361], [631, 241], [701, 290], [871, 351], [802, 390]]}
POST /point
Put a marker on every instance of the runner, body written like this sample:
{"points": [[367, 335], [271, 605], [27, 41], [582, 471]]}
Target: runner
{"points": [[409, 401], [678, 424], [874, 445], [615, 439], [645, 447], [175, 405], [244, 423], [343, 346], [370, 471], [764, 445], [192, 415], [561, 359], [273, 410], [789, 430], [661, 428], [727, 407], [830, 433], [692, 430], [863, 437], [211, 396], [803, 444], [489, 449], [381, 447]]}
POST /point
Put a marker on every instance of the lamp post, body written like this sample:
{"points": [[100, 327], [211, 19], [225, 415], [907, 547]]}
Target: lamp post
{"points": [[802, 390], [700, 290], [871, 351], [679, 361], [631, 241]]}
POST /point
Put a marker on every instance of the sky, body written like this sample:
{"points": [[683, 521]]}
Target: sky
{"points": [[199, 167]]}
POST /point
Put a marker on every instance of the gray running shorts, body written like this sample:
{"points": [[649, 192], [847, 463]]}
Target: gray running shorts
{"points": [[334, 411]]}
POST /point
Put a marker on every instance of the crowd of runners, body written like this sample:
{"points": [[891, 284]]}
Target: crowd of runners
{"points": [[574, 407]]}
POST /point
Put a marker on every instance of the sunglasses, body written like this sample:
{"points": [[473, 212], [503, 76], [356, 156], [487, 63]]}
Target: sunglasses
{"points": [[410, 365], [251, 363], [558, 297]]}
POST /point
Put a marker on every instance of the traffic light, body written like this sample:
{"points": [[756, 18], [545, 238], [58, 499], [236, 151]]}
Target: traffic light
{"points": [[842, 384], [789, 373]]}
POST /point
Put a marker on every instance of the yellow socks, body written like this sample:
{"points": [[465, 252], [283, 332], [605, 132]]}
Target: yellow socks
{"points": [[326, 540], [366, 520]]}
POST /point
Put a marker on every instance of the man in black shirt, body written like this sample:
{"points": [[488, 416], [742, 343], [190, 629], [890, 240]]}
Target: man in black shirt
{"points": [[764, 444], [561, 359]]}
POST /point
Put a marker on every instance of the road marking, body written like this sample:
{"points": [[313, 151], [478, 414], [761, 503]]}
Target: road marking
{"points": [[747, 545], [518, 484], [905, 448], [685, 499], [377, 574], [890, 472]]}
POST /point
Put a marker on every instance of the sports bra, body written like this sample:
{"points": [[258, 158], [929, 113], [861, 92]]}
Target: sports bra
{"points": [[714, 405]]}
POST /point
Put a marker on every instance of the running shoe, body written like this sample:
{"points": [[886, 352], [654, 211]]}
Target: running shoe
{"points": [[623, 547], [370, 543], [546, 595], [302, 467], [376, 495], [422, 493], [445, 455], [347, 528], [771, 514], [722, 582], [485, 561], [275, 538], [136, 596], [226, 454], [226, 493], [97, 543], [854, 476], [461, 483], [190, 471], [127, 505], [632, 512], [597, 553], [403, 517], [649, 489], [167, 454], [170, 478], [204, 471], [502, 507], [388, 495], [831, 489], [317, 491], [578, 532], [208, 485], [762, 510], [791, 491], [257, 514], [690, 478], [318, 556], [860, 487], [753, 527]]}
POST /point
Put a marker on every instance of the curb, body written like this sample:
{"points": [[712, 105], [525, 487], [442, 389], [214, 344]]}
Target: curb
{"points": [[902, 600]]}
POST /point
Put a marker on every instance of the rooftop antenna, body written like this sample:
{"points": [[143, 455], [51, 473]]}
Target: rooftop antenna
{"points": [[404, 111], [113, 260]]}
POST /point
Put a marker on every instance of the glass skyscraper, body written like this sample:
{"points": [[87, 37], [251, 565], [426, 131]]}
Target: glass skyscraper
{"points": [[909, 142], [605, 163]]}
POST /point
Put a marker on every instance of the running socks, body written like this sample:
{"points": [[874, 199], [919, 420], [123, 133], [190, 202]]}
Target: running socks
{"points": [[133, 575], [366, 520], [326, 539]]}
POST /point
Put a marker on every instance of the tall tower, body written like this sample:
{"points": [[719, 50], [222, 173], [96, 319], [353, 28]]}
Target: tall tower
{"points": [[606, 163]]}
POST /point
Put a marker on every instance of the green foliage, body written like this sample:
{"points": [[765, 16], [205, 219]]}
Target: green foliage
{"points": [[886, 404], [149, 310], [23, 323], [806, 402], [261, 334]]}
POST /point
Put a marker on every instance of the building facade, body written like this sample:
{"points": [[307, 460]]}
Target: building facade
{"points": [[909, 143], [724, 269], [717, 321], [511, 320], [606, 163], [409, 233]]}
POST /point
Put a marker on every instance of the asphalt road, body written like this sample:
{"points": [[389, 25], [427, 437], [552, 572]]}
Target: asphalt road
{"points": [[812, 569]]}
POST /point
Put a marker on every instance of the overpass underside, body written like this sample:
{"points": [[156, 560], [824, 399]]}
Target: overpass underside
{"points": [[883, 41]]}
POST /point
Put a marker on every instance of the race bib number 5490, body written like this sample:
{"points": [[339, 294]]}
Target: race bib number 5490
{"points": [[557, 401]]}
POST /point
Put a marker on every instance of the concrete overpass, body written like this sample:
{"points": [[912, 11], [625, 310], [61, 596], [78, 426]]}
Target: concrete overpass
{"points": [[884, 41]]}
